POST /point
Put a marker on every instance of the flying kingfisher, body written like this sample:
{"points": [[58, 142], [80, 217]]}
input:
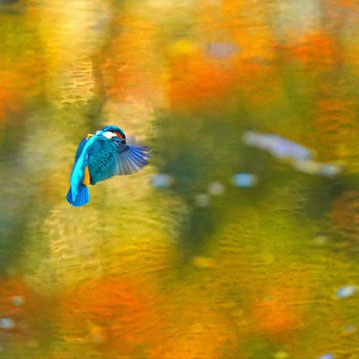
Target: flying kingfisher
{"points": [[100, 157]]}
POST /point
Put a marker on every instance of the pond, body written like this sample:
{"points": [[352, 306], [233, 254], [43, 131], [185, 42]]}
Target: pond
{"points": [[240, 239]]}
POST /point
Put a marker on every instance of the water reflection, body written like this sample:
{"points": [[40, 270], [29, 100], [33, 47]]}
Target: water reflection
{"points": [[222, 247]]}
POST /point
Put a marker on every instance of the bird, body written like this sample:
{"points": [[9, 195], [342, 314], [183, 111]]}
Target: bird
{"points": [[101, 156]]}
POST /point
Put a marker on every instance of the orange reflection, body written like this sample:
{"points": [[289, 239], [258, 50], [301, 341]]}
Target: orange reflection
{"points": [[3, 101], [276, 313], [10, 302], [18, 304], [197, 81], [275, 316], [316, 49], [12, 92], [130, 67], [198, 333], [345, 214], [335, 124], [111, 313]]}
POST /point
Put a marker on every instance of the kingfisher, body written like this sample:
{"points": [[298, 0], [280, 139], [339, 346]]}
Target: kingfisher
{"points": [[101, 156]]}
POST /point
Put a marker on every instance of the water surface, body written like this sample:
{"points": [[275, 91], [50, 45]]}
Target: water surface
{"points": [[225, 246]]}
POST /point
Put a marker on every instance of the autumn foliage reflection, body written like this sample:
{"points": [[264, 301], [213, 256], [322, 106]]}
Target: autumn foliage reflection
{"points": [[188, 78], [113, 314]]}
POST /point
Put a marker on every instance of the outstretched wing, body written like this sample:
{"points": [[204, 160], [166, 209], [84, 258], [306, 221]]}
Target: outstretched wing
{"points": [[107, 158]]}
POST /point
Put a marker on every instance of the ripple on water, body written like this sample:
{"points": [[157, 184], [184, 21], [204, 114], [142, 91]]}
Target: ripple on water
{"points": [[161, 180], [202, 200], [327, 356], [215, 188], [6, 323], [346, 291], [245, 180]]}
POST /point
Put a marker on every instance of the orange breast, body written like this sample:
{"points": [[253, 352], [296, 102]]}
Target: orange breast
{"points": [[86, 180]]}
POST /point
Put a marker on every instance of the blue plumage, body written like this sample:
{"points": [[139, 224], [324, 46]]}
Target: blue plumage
{"points": [[102, 156], [81, 198]]}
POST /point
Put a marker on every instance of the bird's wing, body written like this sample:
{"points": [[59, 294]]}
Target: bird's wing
{"points": [[107, 158], [80, 148], [82, 145]]}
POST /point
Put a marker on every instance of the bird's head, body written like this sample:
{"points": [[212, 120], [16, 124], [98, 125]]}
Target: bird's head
{"points": [[115, 130]]}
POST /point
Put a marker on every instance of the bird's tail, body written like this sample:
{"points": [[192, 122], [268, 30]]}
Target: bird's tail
{"points": [[82, 197]]}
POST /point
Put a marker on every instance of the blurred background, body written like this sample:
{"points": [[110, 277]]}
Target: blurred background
{"points": [[240, 239]]}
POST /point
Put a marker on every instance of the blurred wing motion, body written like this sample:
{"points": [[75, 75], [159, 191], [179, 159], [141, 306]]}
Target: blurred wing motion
{"points": [[107, 158]]}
